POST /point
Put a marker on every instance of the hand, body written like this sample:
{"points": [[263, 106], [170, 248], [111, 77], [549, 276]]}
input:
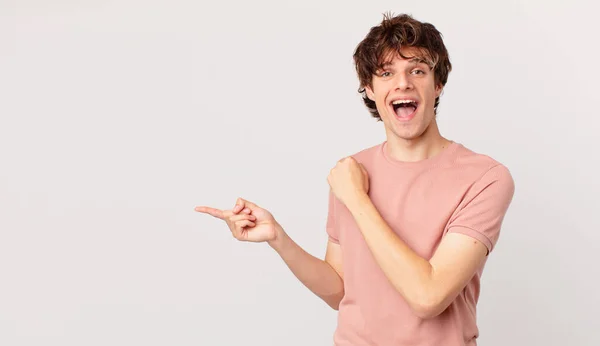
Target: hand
{"points": [[348, 180], [247, 221]]}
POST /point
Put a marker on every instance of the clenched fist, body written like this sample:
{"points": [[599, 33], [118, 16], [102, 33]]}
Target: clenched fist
{"points": [[348, 180]]}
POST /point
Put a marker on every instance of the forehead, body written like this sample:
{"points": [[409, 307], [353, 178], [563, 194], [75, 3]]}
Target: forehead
{"points": [[404, 55]]}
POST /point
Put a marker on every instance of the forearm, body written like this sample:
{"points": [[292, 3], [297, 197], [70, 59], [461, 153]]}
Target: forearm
{"points": [[410, 274], [317, 275]]}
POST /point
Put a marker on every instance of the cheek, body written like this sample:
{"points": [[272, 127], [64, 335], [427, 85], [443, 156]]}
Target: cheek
{"points": [[380, 103], [430, 94]]}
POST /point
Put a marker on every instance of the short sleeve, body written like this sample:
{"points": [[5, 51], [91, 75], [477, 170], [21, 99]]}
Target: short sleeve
{"points": [[481, 212], [332, 229]]}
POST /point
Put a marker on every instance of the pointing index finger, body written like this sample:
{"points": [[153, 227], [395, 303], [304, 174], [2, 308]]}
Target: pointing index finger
{"points": [[211, 211]]}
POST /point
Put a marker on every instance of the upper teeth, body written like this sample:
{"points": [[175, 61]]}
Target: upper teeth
{"points": [[402, 101]]}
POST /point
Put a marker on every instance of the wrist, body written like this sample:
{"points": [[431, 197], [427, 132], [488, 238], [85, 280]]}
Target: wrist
{"points": [[280, 239], [358, 202]]}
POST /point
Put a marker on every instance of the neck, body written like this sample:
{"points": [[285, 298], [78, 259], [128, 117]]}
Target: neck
{"points": [[428, 145]]}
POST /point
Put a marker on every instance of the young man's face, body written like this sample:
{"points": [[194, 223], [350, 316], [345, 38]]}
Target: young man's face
{"points": [[404, 92]]}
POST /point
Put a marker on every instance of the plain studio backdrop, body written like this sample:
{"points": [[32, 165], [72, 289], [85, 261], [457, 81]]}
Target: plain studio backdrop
{"points": [[119, 117]]}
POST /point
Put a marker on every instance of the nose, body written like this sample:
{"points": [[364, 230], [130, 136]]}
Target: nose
{"points": [[403, 82]]}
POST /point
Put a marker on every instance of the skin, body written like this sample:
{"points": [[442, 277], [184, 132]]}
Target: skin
{"points": [[428, 286], [323, 278]]}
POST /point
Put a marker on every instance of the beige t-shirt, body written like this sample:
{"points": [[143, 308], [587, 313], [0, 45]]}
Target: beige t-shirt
{"points": [[457, 190]]}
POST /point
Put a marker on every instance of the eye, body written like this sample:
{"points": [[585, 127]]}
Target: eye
{"points": [[385, 74], [418, 72]]}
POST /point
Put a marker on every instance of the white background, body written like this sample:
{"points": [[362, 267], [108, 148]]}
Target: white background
{"points": [[118, 117]]}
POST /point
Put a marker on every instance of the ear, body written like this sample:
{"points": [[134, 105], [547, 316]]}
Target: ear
{"points": [[438, 90], [370, 93]]}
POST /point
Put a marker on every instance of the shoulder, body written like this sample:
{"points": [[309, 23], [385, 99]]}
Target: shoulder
{"points": [[482, 170], [368, 154], [479, 165]]}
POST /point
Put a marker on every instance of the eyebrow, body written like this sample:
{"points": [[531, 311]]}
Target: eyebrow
{"points": [[418, 60], [414, 60]]}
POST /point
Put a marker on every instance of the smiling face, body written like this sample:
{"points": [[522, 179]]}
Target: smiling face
{"points": [[404, 91]]}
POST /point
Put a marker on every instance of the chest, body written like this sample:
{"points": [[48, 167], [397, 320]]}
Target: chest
{"points": [[417, 207]]}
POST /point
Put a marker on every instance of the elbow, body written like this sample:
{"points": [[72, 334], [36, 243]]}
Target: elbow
{"points": [[334, 300], [428, 312], [428, 306], [334, 306]]}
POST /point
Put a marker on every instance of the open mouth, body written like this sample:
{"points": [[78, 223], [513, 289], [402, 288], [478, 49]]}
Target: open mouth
{"points": [[405, 108]]}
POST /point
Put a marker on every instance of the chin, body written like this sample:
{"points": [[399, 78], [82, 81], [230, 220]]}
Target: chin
{"points": [[409, 137], [409, 133]]}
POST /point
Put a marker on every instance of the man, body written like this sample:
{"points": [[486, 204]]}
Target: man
{"points": [[412, 220]]}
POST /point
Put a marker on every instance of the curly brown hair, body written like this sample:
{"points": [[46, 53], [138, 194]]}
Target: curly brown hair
{"points": [[385, 40]]}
